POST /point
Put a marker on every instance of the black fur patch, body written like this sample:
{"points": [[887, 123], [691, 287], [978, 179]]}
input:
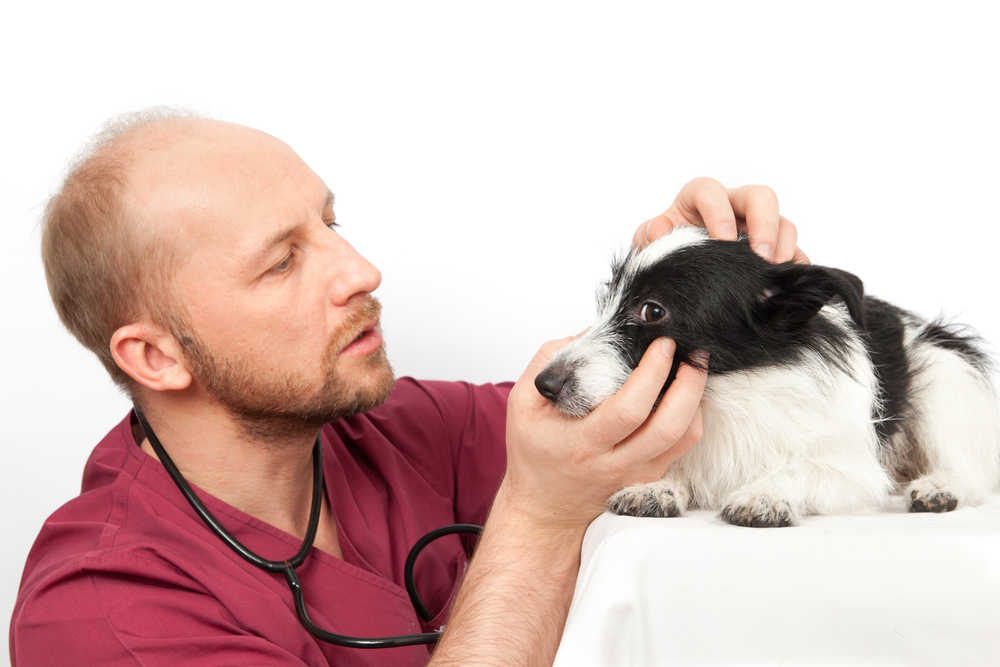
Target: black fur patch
{"points": [[747, 313], [883, 336], [958, 339]]}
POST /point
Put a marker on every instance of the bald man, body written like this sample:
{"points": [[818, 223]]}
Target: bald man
{"points": [[200, 261]]}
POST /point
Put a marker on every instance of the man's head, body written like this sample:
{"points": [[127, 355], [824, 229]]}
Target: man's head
{"points": [[197, 256]]}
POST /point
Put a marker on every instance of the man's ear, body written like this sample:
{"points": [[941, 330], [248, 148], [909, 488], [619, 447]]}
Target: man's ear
{"points": [[150, 356], [797, 292]]}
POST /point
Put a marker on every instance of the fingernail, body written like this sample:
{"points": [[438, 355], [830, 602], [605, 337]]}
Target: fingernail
{"points": [[766, 251], [667, 347]]}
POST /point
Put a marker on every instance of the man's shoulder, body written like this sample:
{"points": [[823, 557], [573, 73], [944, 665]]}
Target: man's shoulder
{"points": [[118, 523], [100, 530], [96, 604], [82, 569], [80, 525]]}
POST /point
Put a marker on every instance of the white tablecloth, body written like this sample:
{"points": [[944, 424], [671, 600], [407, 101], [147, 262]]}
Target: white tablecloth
{"points": [[892, 588]]}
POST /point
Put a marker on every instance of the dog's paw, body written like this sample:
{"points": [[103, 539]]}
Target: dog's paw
{"points": [[647, 500], [927, 496], [759, 512]]}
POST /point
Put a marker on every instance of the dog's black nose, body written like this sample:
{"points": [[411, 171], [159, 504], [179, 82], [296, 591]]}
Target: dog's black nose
{"points": [[551, 381]]}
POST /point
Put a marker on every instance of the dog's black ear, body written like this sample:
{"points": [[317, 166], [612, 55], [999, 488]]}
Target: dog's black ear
{"points": [[798, 291]]}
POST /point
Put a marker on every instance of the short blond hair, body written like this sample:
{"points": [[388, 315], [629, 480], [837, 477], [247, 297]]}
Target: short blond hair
{"points": [[102, 270]]}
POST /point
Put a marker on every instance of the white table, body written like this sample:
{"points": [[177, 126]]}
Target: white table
{"points": [[892, 588]]}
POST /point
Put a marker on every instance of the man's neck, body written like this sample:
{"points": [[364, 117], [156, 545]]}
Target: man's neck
{"points": [[269, 478]]}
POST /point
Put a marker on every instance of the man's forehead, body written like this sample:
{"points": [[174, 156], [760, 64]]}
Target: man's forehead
{"points": [[218, 183], [185, 154]]}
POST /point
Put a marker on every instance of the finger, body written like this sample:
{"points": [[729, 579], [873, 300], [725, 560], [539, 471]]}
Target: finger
{"points": [[639, 237], [672, 419], [800, 257], [758, 205], [788, 237], [651, 230], [659, 226], [626, 410], [705, 201]]}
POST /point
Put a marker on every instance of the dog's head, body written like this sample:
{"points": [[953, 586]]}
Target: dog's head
{"points": [[705, 294]]}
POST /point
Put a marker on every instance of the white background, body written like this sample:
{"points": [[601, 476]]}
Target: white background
{"points": [[490, 158]]}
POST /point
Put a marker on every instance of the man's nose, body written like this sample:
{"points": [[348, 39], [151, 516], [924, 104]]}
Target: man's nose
{"points": [[550, 382], [352, 274]]}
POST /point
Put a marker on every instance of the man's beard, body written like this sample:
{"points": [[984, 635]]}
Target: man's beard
{"points": [[271, 405]]}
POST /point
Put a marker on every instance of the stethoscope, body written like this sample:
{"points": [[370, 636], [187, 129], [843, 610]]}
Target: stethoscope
{"points": [[287, 567]]}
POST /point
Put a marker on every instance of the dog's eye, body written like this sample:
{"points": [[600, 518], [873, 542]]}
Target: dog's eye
{"points": [[652, 312]]}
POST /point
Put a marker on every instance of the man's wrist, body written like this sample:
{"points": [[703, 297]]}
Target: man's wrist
{"points": [[511, 508]]}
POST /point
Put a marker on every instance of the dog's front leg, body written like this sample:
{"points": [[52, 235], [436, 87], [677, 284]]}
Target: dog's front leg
{"points": [[759, 509], [664, 498], [772, 501]]}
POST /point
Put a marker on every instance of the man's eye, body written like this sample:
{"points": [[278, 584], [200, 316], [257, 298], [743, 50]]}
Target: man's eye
{"points": [[331, 223], [652, 312], [285, 264]]}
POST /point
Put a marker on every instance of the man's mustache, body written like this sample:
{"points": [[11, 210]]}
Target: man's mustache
{"points": [[365, 312]]}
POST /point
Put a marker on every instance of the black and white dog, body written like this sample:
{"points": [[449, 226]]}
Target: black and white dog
{"points": [[819, 399]]}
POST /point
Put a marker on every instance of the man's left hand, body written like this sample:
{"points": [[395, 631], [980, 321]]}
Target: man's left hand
{"points": [[724, 212]]}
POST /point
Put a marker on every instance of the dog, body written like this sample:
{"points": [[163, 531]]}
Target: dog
{"points": [[819, 399]]}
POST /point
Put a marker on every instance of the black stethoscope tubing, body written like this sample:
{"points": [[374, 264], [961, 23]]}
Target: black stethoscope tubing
{"points": [[287, 567]]}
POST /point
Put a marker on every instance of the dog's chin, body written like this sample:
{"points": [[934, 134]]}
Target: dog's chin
{"points": [[575, 407], [575, 401]]}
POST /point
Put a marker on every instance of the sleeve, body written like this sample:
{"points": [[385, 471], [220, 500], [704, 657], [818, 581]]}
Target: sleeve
{"points": [[96, 616]]}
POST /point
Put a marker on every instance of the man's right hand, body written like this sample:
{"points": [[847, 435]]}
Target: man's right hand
{"points": [[561, 471]]}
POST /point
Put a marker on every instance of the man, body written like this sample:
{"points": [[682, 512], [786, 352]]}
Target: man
{"points": [[200, 261]]}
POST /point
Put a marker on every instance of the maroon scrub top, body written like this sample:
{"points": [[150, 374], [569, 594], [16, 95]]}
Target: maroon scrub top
{"points": [[127, 574]]}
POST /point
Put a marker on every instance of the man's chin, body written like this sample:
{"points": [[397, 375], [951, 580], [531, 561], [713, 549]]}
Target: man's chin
{"points": [[369, 400], [372, 387]]}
